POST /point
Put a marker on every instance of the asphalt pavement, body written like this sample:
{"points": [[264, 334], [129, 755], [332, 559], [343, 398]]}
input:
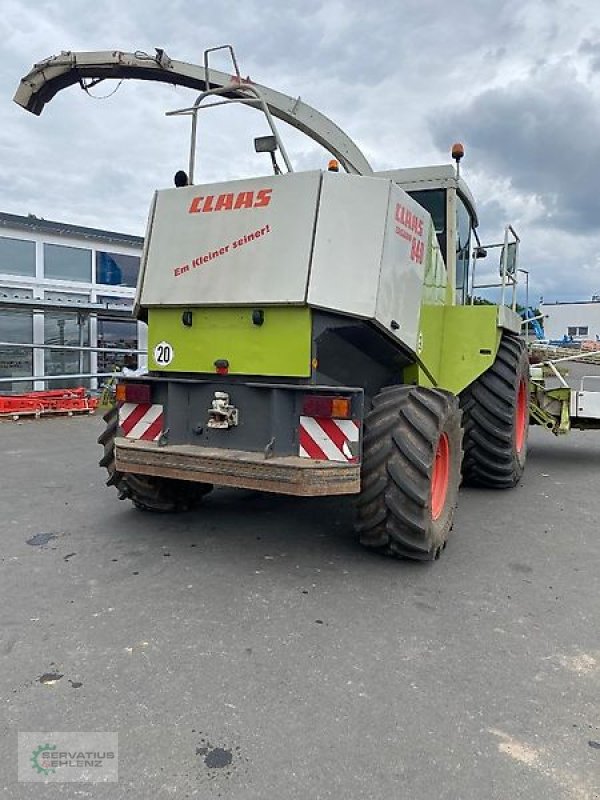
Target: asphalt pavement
{"points": [[251, 649]]}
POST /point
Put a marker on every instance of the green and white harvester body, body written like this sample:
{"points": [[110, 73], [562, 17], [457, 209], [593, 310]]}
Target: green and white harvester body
{"points": [[313, 333]]}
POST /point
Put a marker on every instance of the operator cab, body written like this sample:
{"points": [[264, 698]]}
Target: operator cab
{"points": [[447, 198]]}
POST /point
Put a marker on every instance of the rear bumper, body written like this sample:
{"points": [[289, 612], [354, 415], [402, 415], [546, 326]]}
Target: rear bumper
{"points": [[238, 468]]}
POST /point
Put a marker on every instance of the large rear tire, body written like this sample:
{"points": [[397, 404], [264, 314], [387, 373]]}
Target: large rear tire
{"points": [[146, 492], [410, 472], [496, 419]]}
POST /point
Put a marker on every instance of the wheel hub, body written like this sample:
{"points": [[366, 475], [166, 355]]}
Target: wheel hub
{"points": [[440, 477], [522, 411]]}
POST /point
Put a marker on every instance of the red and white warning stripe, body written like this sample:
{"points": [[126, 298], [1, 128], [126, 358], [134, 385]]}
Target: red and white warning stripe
{"points": [[141, 421], [327, 439]]}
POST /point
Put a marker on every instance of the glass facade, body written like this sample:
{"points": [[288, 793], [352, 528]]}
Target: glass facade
{"points": [[114, 269], [17, 257], [48, 262], [120, 334], [67, 328], [16, 326], [67, 263]]}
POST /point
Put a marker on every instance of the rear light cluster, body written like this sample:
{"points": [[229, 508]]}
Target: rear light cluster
{"points": [[327, 406], [133, 393]]}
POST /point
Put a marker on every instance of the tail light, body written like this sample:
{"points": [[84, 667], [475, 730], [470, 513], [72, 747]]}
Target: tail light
{"points": [[133, 393], [222, 366], [327, 406]]}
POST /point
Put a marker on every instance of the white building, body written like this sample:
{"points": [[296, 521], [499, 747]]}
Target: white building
{"points": [[576, 321], [70, 267]]}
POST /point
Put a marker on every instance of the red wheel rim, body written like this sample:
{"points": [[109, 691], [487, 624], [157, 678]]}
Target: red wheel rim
{"points": [[440, 476], [522, 412]]}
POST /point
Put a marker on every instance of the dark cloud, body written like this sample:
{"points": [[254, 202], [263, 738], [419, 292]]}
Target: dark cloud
{"points": [[591, 48], [543, 135]]}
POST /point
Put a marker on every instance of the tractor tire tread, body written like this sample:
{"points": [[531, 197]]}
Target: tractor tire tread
{"points": [[489, 413], [401, 435]]}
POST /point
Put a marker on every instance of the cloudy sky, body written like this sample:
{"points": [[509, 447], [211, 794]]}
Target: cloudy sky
{"points": [[517, 82]]}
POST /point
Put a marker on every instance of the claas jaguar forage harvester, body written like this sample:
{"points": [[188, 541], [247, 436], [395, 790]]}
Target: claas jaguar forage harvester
{"points": [[312, 333]]}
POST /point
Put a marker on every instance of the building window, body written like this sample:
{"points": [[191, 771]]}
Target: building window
{"points": [[66, 327], [17, 257], [16, 326], [121, 334], [67, 263], [575, 330], [114, 269]]}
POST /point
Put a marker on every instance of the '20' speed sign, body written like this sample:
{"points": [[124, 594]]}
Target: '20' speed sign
{"points": [[163, 354]]}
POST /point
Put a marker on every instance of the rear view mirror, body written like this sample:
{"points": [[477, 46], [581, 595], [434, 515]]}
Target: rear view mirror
{"points": [[268, 144], [480, 252], [265, 144], [510, 254]]}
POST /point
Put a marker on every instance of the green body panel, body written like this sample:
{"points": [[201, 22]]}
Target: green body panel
{"points": [[470, 344], [281, 346], [458, 344], [436, 294]]}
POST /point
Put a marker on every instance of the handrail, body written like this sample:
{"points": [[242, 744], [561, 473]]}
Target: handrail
{"points": [[68, 377], [508, 277], [104, 310], [22, 346], [193, 111]]}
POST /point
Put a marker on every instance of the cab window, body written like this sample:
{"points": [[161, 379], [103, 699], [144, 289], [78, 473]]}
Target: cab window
{"points": [[434, 201], [463, 249]]}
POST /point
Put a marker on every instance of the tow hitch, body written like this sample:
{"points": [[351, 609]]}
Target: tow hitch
{"points": [[222, 414]]}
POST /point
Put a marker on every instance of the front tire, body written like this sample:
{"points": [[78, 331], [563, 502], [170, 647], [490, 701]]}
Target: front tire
{"points": [[496, 419], [410, 472]]}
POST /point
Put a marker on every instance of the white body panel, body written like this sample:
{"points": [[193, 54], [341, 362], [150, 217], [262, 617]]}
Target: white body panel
{"points": [[348, 244], [401, 279], [229, 255], [338, 242], [369, 253], [585, 403]]}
